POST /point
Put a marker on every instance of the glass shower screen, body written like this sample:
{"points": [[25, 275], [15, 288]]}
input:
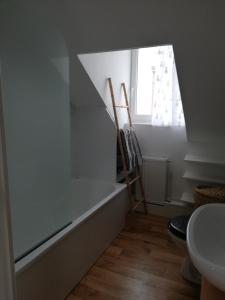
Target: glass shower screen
{"points": [[34, 64]]}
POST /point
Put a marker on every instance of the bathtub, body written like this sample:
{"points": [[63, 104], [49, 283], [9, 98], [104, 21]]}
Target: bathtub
{"points": [[53, 269]]}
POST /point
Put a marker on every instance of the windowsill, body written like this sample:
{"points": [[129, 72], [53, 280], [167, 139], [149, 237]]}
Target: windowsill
{"points": [[142, 123], [148, 124]]}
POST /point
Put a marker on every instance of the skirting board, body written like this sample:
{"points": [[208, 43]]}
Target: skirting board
{"points": [[169, 210]]}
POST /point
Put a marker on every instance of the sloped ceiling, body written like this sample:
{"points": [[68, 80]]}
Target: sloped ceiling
{"points": [[196, 29]]}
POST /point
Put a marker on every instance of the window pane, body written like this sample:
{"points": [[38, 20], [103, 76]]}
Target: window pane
{"points": [[145, 80], [157, 97]]}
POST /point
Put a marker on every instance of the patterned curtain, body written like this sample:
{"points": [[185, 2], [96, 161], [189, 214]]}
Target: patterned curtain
{"points": [[167, 107]]}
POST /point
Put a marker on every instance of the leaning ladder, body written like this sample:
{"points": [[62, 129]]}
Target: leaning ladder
{"points": [[138, 176]]}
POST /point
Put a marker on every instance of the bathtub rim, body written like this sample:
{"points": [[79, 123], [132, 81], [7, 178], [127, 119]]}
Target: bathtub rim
{"points": [[36, 254]]}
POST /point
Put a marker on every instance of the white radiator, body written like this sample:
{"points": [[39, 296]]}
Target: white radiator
{"points": [[155, 179]]}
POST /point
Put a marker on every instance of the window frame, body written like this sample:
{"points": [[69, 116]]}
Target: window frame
{"points": [[137, 118], [146, 119]]}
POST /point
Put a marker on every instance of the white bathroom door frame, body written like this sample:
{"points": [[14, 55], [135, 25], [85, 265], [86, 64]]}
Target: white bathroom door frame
{"points": [[7, 268]]}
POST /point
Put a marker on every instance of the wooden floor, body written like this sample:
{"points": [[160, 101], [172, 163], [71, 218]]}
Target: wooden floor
{"points": [[141, 263]]}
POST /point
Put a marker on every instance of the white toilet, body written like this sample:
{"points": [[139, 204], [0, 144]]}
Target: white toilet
{"points": [[177, 228]]}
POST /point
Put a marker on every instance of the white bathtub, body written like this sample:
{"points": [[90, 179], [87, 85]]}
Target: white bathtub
{"points": [[52, 270]]}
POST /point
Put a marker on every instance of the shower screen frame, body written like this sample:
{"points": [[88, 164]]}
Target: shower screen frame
{"points": [[7, 270]]}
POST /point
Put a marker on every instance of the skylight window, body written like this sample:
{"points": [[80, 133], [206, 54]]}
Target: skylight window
{"points": [[155, 89]]}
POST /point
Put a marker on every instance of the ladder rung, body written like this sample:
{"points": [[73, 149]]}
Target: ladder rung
{"points": [[133, 180], [122, 106], [137, 204]]}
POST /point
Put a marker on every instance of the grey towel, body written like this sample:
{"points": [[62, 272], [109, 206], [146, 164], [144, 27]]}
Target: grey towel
{"points": [[137, 148], [126, 150], [131, 148]]}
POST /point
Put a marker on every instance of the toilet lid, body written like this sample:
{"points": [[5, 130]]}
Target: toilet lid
{"points": [[178, 226]]}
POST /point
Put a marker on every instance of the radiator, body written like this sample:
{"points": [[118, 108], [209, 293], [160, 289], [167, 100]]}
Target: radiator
{"points": [[155, 179]]}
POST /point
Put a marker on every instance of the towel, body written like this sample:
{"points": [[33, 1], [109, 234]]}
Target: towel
{"points": [[126, 150], [131, 148], [137, 149]]}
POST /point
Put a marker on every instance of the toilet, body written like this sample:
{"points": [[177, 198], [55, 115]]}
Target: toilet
{"points": [[177, 228]]}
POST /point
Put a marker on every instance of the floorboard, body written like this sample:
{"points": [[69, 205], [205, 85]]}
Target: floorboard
{"points": [[141, 263]]}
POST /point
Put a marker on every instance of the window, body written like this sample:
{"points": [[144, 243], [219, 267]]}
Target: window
{"points": [[155, 89]]}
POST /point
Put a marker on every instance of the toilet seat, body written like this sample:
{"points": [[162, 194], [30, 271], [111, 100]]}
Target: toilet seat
{"points": [[178, 226]]}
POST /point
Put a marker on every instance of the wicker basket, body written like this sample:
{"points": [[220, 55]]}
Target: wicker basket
{"points": [[204, 194]]}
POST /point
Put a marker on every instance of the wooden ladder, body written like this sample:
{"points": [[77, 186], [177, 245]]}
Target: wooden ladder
{"points": [[138, 176]]}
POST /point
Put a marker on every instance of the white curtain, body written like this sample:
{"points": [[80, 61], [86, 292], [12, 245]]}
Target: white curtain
{"points": [[167, 107]]}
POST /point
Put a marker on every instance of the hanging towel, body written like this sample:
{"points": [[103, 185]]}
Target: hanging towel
{"points": [[131, 147], [137, 148], [126, 150], [132, 152]]}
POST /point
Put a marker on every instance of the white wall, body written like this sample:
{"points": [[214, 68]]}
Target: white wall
{"points": [[171, 142], [155, 141], [117, 66], [93, 132], [93, 141], [167, 142], [111, 25], [195, 30]]}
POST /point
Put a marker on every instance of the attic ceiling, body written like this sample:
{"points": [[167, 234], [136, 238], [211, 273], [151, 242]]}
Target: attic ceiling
{"points": [[196, 29]]}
